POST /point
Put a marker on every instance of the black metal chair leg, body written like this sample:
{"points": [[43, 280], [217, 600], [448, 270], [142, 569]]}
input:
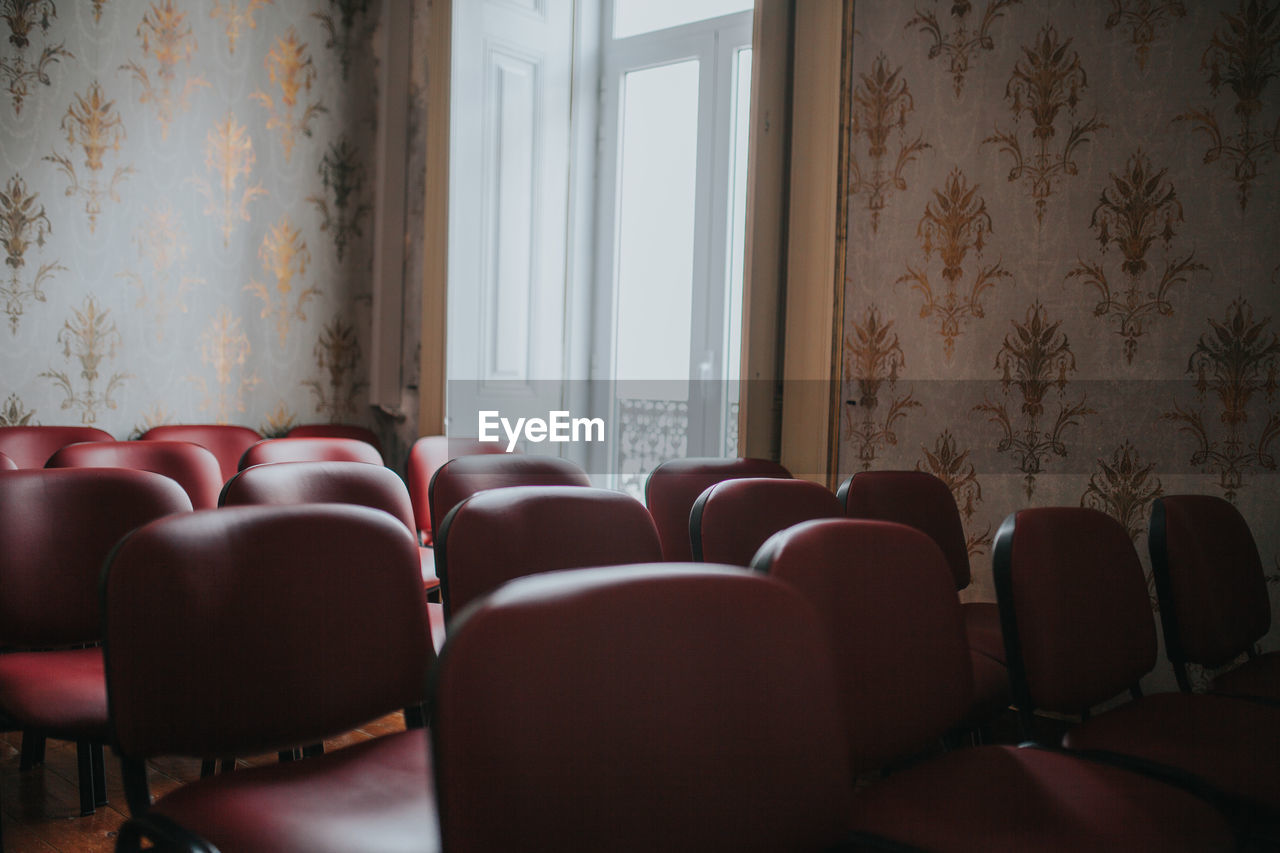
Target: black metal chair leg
{"points": [[312, 751], [32, 750], [99, 776], [208, 767], [84, 767]]}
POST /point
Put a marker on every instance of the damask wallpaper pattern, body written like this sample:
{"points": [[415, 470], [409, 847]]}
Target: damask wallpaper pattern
{"points": [[186, 210], [1063, 272]]}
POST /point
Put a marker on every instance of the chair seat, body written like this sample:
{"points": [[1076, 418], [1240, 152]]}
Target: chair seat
{"points": [[990, 689], [427, 556], [62, 693], [1257, 678], [374, 796], [982, 627], [1008, 798], [1231, 744], [435, 615]]}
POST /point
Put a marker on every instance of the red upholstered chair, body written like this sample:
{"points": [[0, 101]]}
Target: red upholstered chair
{"points": [[190, 465], [57, 528], [672, 488], [459, 479], [31, 446], [1079, 630], [319, 629], [1214, 604], [374, 486], [660, 707], [425, 458], [731, 520], [919, 499], [310, 450], [359, 433], [226, 442], [7, 464], [887, 606], [500, 534]]}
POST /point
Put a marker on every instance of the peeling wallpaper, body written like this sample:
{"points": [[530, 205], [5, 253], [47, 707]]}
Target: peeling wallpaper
{"points": [[186, 211], [1063, 272]]}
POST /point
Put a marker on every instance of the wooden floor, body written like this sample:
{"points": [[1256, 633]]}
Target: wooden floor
{"points": [[40, 808]]}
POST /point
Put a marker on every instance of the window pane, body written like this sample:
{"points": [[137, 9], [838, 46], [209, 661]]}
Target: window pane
{"points": [[736, 248], [655, 216], [632, 17]]}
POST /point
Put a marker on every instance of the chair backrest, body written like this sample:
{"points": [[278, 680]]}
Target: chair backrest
{"points": [[281, 626], [500, 534], [7, 464], [731, 520], [1074, 608], [1213, 592], [57, 527], [887, 606], [917, 499], [226, 442], [672, 488], [31, 446], [320, 482], [190, 465], [675, 708], [355, 431], [425, 458], [459, 479], [310, 450]]}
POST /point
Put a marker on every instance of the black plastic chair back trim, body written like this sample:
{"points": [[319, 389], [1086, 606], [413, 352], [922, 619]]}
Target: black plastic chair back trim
{"points": [[1158, 546], [1002, 574]]}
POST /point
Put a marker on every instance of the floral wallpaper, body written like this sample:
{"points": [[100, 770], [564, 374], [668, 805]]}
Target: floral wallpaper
{"points": [[186, 212], [1062, 277]]}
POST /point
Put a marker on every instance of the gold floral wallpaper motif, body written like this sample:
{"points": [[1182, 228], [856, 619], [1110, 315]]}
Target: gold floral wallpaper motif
{"points": [[156, 416], [228, 158], [1236, 364], [18, 70], [966, 37], [167, 38], [1034, 358], [162, 246], [225, 347], [881, 104], [1141, 19], [339, 23], [284, 257], [22, 222], [292, 70], [872, 359], [14, 413], [93, 124], [1124, 489], [952, 466], [955, 223], [90, 337], [1046, 80], [237, 17], [337, 353], [342, 174], [279, 421], [1242, 58], [1136, 210]]}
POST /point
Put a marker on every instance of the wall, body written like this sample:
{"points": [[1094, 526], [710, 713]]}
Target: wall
{"points": [[186, 204], [1063, 277]]}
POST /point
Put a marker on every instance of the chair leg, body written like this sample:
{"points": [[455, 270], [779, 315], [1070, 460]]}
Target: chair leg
{"points": [[208, 767], [84, 766], [313, 751], [32, 750], [99, 776]]}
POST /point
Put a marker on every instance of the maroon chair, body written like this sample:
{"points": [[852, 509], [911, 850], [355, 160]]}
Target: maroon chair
{"points": [[887, 607], [501, 534], [672, 488], [31, 446], [567, 720], [310, 450], [57, 528], [319, 629], [1214, 604], [731, 520], [425, 458], [225, 441], [459, 479], [190, 465], [1079, 630], [7, 464], [919, 499], [284, 483], [359, 433]]}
